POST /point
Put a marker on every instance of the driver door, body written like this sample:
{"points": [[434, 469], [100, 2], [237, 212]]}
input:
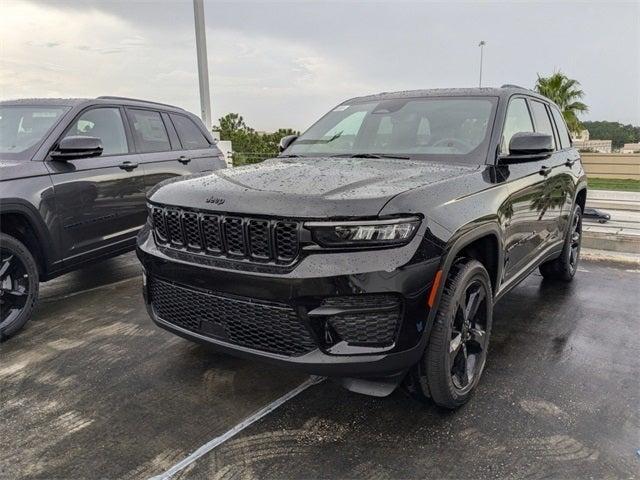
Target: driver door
{"points": [[100, 200]]}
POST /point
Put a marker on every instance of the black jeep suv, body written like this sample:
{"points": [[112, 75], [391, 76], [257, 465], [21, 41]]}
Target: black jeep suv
{"points": [[374, 247], [73, 179]]}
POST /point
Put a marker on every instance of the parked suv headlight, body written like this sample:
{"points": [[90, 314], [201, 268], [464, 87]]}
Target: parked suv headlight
{"points": [[393, 231]]}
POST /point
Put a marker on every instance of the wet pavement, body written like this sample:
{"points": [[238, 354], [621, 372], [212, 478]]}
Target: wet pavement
{"points": [[92, 389]]}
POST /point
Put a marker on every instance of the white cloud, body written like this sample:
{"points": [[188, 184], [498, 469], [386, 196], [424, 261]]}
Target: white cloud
{"points": [[92, 53]]}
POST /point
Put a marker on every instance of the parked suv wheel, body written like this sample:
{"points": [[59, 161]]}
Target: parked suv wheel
{"points": [[565, 266], [457, 350], [19, 282]]}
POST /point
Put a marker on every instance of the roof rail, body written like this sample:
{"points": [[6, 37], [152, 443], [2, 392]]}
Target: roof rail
{"points": [[510, 85], [112, 97]]}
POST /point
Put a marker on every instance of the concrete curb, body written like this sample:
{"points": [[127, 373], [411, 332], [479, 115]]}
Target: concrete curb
{"points": [[623, 259]]}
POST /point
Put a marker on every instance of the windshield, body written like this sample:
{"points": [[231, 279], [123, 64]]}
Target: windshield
{"points": [[23, 127], [453, 127]]}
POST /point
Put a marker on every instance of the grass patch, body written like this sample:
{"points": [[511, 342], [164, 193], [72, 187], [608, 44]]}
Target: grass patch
{"points": [[624, 185]]}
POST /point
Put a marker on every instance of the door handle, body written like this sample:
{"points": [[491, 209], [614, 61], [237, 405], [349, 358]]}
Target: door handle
{"points": [[128, 166], [183, 160], [544, 170], [569, 163]]}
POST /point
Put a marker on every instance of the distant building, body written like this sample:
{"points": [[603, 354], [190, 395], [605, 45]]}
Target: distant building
{"points": [[630, 148], [582, 142]]}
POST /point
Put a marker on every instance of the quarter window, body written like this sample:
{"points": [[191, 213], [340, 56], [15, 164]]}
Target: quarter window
{"points": [[518, 120], [106, 124], [190, 135], [541, 118], [565, 141], [149, 131]]}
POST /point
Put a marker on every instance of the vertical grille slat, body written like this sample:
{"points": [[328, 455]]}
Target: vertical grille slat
{"points": [[232, 236]]}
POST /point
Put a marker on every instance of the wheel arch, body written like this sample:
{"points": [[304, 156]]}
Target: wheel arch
{"points": [[19, 220], [483, 243]]}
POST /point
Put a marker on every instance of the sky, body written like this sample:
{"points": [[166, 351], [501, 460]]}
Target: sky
{"points": [[285, 64]]}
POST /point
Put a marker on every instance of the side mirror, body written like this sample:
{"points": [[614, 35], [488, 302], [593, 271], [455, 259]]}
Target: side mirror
{"points": [[286, 141], [528, 147], [79, 146]]}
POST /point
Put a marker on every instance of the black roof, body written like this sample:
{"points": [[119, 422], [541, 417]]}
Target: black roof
{"points": [[505, 91], [72, 102]]}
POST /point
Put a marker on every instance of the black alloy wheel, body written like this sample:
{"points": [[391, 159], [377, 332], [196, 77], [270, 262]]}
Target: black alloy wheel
{"points": [[18, 285], [564, 267], [468, 344], [457, 348]]}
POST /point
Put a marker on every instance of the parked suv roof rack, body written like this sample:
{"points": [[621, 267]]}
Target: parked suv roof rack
{"points": [[112, 97], [511, 85]]}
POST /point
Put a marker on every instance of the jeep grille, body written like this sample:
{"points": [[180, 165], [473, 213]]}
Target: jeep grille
{"points": [[231, 236]]}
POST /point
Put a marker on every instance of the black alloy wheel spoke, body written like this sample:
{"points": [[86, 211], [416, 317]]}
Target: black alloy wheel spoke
{"points": [[467, 346], [5, 267]]}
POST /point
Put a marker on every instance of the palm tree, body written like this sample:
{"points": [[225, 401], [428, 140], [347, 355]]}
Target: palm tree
{"points": [[566, 93]]}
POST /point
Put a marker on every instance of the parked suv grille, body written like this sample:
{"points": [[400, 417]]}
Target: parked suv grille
{"points": [[231, 236], [266, 327]]}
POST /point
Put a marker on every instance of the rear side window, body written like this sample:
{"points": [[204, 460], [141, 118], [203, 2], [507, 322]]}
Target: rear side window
{"points": [[541, 118], [565, 141], [518, 120], [149, 131], [190, 135], [104, 123]]}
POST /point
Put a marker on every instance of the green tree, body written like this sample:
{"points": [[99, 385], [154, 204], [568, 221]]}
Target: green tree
{"points": [[249, 146], [618, 133], [566, 93]]}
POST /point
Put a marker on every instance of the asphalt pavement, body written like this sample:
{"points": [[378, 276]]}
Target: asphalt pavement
{"points": [[92, 389]]}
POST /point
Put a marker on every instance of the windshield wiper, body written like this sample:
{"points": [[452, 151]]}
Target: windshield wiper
{"points": [[371, 155], [291, 155]]}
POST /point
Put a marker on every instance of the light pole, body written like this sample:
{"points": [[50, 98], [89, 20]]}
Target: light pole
{"points": [[203, 65], [481, 45]]}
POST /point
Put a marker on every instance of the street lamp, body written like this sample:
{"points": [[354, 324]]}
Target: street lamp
{"points": [[203, 65], [481, 45]]}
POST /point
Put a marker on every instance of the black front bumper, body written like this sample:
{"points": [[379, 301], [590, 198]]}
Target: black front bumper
{"points": [[297, 300]]}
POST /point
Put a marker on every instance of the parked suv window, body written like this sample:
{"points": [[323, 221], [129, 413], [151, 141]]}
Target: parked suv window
{"points": [[104, 123], [23, 127], [149, 130], [565, 141], [518, 120], [541, 118], [190, 135]]}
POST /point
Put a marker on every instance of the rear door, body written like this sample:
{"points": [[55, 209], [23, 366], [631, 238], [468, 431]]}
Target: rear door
{"points": [[569, 167], [157, 144], [526, 183], [196, 144], [549, 205], [99, 200]]}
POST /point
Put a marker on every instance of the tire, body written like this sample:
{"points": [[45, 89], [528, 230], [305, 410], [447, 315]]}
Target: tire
{"points": [[565, 266], [19, 283], [440, 375]]}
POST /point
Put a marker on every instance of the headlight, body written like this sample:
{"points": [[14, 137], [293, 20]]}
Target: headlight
{"points": [[394, 231]]}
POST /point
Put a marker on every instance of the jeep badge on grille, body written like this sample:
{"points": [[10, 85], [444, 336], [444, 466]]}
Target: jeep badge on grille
{"points": [[215, 200]]}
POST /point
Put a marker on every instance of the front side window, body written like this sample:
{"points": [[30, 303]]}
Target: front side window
{"points": [[448, 127], [541, 118], [149, 131], [23, 127], [517, 120], [190, 135], [565, 141], [104, 123]]}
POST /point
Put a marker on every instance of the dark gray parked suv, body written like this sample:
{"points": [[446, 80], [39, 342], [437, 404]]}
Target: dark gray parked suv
{"points": [[73, 178]]}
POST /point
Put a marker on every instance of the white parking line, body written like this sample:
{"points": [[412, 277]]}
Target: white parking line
{"points": [[207, 447]]}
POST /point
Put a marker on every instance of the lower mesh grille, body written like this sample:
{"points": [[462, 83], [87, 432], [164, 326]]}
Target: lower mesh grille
{"points": [[274, 329], [374, 321]]}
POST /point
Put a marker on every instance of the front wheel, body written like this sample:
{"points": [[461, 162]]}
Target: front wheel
{"points": [[456, 353], [19, 284]]}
